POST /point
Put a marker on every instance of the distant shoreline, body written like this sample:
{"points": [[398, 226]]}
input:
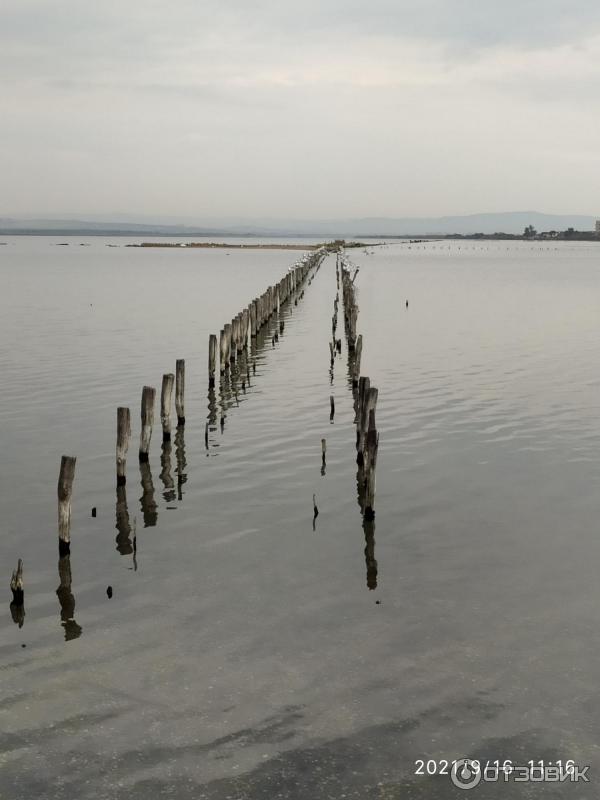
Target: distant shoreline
{"points": [[226, 246]]}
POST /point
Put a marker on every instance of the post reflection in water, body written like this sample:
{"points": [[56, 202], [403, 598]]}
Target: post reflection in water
{"points": [[180, 458], [147, 501], [17, 613], [67, 600], [369, 529], [165, 472], [123, 540]]}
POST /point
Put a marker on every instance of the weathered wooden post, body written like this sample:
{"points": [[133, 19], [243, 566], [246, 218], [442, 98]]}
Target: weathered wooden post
{"points": [[231, 340], [123, 437], [227, 329], [332, 407], [356, 366], [17, 607], [16, 584], [65, 492], [148, 394], [212, 359], [245, 326], [223, 360], [180, 390], [369, 404], [166, 401], [323, 450]]}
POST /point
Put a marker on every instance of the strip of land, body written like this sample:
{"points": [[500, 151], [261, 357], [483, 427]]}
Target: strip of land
{"points": [[277, 246]]}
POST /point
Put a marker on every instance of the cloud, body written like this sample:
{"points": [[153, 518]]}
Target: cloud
{"points": [[460, 103]]}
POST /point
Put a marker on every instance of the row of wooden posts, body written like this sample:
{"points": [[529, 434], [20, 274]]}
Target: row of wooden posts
{"points": [[233, 342], [233, 339], [365, 395]]}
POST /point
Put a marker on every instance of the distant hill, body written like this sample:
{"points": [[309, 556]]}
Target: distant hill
{"points": [[508, 222]]}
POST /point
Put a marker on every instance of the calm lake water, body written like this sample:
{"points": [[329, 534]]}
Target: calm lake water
{"points": [[244, 654]]}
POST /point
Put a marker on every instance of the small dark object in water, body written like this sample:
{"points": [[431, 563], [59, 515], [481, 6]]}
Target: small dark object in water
{"points": [[243, 386], [23, 645], [315, 509], [94, 511], [222, 423], [109, 591], [407, 303], [377, 602]]}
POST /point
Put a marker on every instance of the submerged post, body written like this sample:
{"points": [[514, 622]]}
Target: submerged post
{"points": [[212, 360], [123, 436], [148, 394], [166, 401], [65, 491], [180, 390]]}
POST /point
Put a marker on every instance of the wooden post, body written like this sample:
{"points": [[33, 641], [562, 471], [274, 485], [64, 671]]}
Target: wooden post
{"points": [[16, 584], [224, 363], [233, 348], [230, 349], [65, 491], [212, 359], [245, 326], [166, 401], [180, 390], [148, 394], [123, 437], [17, 607], [323, 449], [357, 355], [332, 406]]}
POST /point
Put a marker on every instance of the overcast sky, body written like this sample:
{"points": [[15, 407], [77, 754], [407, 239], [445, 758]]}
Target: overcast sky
{"points": [[319, 108]]}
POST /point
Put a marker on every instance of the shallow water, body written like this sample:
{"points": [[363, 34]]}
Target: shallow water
{"points": [[243, 655]]}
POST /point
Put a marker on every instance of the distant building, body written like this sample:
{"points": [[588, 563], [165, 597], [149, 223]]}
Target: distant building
{"points": [[598, 226]]}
